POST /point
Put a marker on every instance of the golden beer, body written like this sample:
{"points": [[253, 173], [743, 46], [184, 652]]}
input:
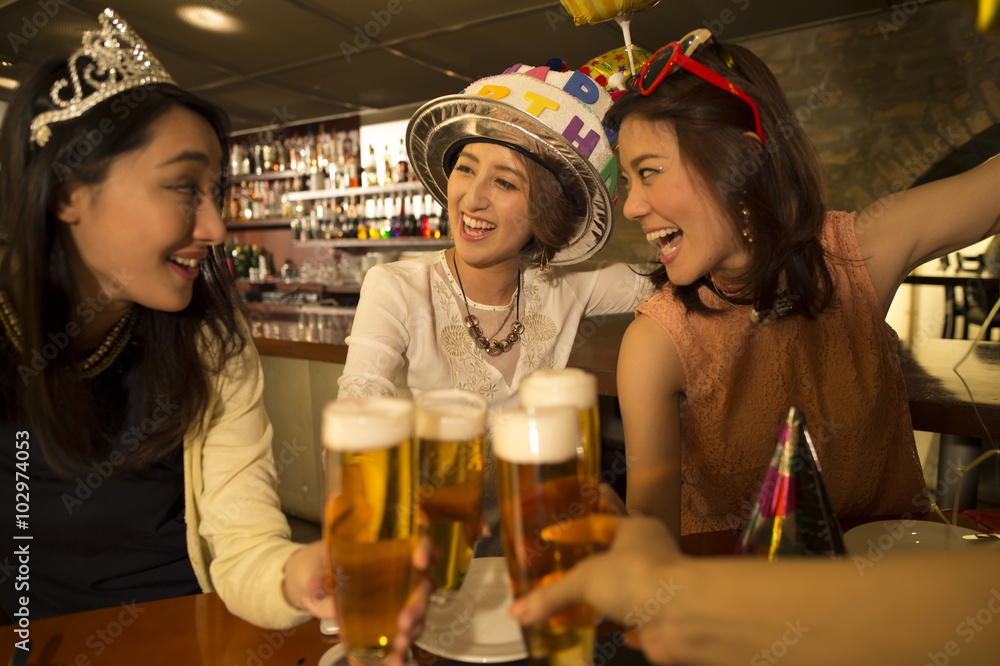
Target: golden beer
{"points": [[539, 487], [571, 387], [370, 519], [451, 430]]}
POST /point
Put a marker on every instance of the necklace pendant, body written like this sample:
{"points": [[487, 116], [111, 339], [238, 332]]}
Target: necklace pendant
{"points": [[472, 321]]}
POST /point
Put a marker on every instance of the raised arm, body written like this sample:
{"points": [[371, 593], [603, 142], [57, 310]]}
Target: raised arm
{"points": [[650, 381], [901, 231]]}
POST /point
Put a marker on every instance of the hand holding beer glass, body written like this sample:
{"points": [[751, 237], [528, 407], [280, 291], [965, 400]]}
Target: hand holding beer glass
{"points": [[451, 431], [539, 489], [370, 519]]}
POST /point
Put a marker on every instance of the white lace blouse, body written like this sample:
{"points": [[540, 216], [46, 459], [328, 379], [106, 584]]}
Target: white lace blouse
{"points": [[409, 328]]}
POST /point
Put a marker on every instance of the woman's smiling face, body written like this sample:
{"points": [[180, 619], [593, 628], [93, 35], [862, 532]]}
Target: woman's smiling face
{"points": [[674, 207], [139, 235], [488, 204]]}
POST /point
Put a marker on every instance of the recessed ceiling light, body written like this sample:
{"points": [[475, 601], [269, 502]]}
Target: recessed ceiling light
{"points": [[8, 83], [4, 63], [209, 18]]}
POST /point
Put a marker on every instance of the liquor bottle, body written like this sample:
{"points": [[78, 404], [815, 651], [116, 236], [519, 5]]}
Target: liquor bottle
{"points": [[402, 165], [235, 160], [267, 151], [387, 166], [369, 175], [294, 152], [323, 155], [280, 156], [242, 262]]}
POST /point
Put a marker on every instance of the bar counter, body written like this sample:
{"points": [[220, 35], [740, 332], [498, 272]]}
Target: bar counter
{"points": [[939, 401]]}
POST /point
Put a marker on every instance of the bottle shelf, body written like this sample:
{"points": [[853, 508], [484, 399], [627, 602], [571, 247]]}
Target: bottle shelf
{"points": [[408, 186], [403, 242], [259, 223], [280, 285], [270, 175]]}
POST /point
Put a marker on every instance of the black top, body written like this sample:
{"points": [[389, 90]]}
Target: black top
{"points": [[100, 538]]}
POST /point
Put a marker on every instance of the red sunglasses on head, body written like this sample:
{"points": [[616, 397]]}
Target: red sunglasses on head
{"points": [[677, 55]]}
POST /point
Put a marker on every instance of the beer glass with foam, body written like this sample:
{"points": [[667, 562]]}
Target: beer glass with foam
{"points": [[571, 387], [370, 519], [450, 426], [539, 490]]}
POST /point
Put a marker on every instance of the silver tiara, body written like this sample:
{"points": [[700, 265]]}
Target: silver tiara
{"points": [[114, 59]]}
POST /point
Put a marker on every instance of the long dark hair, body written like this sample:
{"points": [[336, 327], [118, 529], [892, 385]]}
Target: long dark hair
{"points": [[35, 273], [779, 182]]}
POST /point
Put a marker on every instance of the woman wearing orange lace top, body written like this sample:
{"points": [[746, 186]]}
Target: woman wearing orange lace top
{"points": [[766, 300]]}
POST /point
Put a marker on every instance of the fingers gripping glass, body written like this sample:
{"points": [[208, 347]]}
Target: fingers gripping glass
{"points": [[677, 55]]}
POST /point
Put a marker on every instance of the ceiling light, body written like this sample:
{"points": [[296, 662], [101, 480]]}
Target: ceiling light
{"points": [[8, 83], [209, 18], [4, 63]]}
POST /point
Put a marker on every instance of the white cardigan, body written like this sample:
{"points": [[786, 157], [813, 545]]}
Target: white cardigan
{"points": [[238, 538]]}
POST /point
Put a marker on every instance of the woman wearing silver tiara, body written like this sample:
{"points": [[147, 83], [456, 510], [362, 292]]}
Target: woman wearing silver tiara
{"points": [[523, 164], [132, 395]]}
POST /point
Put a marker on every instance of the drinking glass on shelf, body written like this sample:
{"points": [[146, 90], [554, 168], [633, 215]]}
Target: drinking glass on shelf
{"points": [[572, 387], [370, 519], [539, 490], [451, 431]]}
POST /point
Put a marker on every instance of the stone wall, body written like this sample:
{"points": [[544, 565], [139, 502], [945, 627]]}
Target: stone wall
{"points": [[882, 97]]}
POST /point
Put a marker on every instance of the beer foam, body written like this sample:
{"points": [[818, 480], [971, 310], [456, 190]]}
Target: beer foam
{"points": [[361, 424], [569, 386], [450, 422], [536, 435]]}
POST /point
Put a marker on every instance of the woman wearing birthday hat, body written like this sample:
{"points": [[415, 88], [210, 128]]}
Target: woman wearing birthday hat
{"points": [[132, 410], [524, 166]]}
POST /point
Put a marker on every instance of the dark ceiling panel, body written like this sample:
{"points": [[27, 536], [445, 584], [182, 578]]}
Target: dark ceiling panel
{"points": [[256, 104], [376, 79], [478, 50], [301, 55], [391, 20]]}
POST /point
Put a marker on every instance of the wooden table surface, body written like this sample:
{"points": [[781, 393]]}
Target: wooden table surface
{"points": [[197, 630], [939, 401]]}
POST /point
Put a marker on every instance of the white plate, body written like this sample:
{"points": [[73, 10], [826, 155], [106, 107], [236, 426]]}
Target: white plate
{"points": [[333, 655], [474, 626], [873, 540]]}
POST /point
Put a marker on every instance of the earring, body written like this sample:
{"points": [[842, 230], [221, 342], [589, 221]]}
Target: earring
{"points": [[543, 262], [746, 223]]}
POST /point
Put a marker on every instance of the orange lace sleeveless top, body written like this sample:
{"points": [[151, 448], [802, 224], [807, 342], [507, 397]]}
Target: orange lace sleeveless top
{"points": [[840, 369]]}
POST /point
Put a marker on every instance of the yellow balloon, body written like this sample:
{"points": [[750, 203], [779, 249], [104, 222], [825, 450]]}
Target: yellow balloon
{"points": [[595, 11], [611, 69]]}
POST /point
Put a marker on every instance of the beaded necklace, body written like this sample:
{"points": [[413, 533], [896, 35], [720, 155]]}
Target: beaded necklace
{"points": [[492, 347], [782, 306], [94, 364]]}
